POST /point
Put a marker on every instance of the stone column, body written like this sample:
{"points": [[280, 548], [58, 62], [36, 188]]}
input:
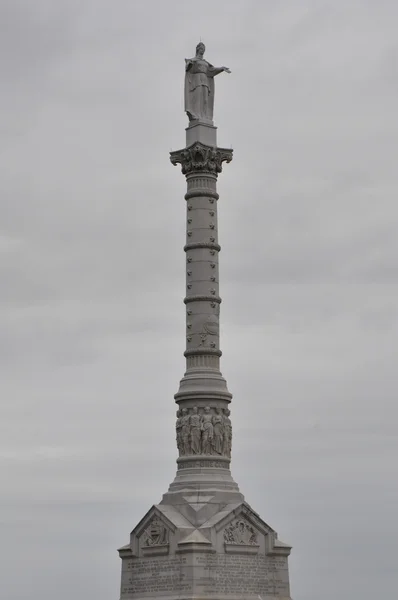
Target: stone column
{"points": [[204, 432]]}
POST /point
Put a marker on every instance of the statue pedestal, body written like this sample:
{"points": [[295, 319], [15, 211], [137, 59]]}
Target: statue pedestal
{"points": [[201, 132]]}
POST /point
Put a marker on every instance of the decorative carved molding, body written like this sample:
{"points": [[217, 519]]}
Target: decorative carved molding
{"points": [[198, 193], [198, 361], [203, 462], [202, 352], [200, 298], [211, 325], [195, 245], [240, 532], [198, 157], [203, 181]]}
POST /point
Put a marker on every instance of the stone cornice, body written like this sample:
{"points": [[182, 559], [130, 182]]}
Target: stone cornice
{"points": [[203, 352], [196, 193], [200, 298], [194, 245], [199, 158]]}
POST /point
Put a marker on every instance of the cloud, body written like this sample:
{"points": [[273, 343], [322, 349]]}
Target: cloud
{"points": [[92, 228]]}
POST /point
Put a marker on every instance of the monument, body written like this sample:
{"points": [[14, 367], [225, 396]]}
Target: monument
{"points": [[203, 540]]}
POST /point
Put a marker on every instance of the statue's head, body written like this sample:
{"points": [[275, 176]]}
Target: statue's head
{"points": [[200, 49], [207, 409], [195, 410]]}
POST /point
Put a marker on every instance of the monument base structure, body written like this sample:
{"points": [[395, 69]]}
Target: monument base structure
{"points": [[203, 540]]}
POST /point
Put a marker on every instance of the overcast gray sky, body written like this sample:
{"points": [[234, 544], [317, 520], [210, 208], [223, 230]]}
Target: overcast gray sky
{"points": [[92, 277]]}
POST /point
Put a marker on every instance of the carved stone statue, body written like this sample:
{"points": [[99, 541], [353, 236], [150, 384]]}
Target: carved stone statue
{"points": [[178, 433], [199, 86], [185, 430], [207, 431], [218, 431], [195, 432], [227, 443]]}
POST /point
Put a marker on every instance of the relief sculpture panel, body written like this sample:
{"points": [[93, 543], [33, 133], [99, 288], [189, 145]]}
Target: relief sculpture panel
{"points": [[240, 532], [206, 431], [156, 534]]}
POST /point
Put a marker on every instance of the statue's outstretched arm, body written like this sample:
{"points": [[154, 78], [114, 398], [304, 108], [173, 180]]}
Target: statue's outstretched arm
{"points": [[213, 71]]}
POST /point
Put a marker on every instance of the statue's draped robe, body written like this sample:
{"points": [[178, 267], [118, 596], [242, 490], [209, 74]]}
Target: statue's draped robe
{"points": [[199, 89]]}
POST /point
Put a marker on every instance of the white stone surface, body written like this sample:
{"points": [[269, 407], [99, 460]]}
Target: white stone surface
{"points": [[201, 132]]}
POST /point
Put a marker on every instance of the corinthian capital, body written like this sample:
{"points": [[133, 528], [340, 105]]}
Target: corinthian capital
{"points": [[201, 158]]}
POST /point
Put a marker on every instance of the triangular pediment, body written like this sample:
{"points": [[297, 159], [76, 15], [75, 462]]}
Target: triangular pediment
{"points": [[171, 518], [244, 513], [153, 515], [237, 528]]}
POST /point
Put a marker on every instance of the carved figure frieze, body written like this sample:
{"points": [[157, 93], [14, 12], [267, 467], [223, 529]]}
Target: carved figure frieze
{"points": [[207, 431], [156, 534], [195, 431], [199, 157], [178, 432], [204, 431], [227, 443], [218, 431], [240, 532], [185, 431]]}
